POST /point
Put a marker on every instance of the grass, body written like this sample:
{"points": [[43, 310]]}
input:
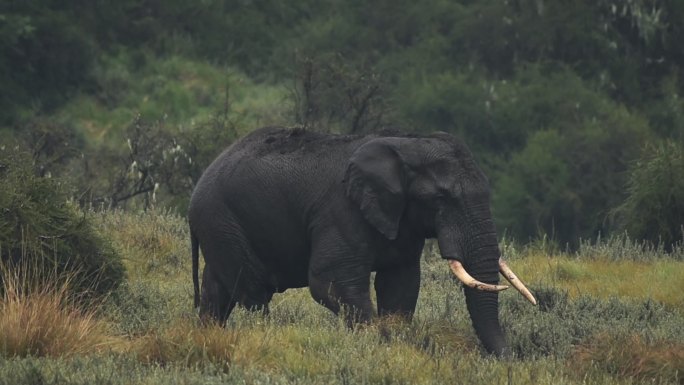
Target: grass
{"points": [[631, 356], [147, 332], [185, 344], [45, 320], [153, 243], [661, 280]]}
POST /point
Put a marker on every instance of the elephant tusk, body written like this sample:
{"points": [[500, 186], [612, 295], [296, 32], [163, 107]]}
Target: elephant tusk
{"points": [[515, 281], [469, 281]]}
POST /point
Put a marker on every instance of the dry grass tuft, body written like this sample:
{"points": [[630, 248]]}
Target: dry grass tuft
{"points": [[190, 345], [46, 321], [631, 356]]}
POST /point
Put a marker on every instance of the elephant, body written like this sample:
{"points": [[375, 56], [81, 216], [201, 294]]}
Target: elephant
{"points": [[288, 208]]}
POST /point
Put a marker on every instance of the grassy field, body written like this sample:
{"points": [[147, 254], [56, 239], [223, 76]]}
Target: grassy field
{"points": [[609, 314]]}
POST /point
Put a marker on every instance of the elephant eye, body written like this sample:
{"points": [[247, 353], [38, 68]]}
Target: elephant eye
{"points": [[427, 195]]}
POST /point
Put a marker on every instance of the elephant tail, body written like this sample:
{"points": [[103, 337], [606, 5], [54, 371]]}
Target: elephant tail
{"points": [[195, 266]]}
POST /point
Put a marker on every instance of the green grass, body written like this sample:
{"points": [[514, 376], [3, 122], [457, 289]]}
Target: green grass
{"points": [[577, 335], [661, 280]]}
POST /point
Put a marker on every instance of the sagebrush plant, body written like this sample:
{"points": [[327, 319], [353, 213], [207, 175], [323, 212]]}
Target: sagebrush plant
{"points": [[40, 316], [561, 322]]}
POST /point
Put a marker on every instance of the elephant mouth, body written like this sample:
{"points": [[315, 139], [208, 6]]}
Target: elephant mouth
{"points": [[463, 276]]}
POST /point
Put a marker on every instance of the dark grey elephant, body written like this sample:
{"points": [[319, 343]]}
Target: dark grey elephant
{"points": [[287, 208]]}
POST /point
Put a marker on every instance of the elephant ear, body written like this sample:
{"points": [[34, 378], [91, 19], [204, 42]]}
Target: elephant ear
{"points": [[374, 180]]}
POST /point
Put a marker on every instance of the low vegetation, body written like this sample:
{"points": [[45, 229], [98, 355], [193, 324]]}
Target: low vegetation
{"points": [[147, 332]]}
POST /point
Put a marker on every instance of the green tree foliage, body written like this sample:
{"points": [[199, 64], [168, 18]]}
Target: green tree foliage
{"points": [[654, 208], [564, 184], [45, 56], [571, 169], [42, 232], [554, 97]]}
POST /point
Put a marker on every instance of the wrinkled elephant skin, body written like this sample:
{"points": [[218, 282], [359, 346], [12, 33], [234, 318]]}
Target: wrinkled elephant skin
{"points": [[287, 208]]}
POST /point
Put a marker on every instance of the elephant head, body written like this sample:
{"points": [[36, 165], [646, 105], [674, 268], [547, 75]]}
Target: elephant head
{"points": [[434, 185]]}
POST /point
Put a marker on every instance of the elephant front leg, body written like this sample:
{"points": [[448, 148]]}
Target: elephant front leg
{"points": [[339, 273], [351, 295], [397, 290]]}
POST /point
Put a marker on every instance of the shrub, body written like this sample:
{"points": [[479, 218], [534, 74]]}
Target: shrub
{"points": [[654, 207], [41, 232]]}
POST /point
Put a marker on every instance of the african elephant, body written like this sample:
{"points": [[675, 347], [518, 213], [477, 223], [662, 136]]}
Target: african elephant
{"points": [[288, 208]]}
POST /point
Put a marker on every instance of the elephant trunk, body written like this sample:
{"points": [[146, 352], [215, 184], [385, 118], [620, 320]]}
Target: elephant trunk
{"points": [[475, 261], [482, 295], [483, 306]]}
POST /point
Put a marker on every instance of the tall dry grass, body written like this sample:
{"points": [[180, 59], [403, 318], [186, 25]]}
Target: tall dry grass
{"points": [[186, 343], [42, 318]]}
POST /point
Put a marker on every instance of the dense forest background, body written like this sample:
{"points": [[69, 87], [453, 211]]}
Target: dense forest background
{"points": [[573, 108]]}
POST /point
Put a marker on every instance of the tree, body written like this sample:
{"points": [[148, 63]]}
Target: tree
{"points": [[654, 207], [331, 95], [564, 182]]}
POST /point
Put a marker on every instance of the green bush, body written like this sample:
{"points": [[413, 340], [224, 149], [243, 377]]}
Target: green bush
{"points": [[654, 207], [41, 232], [572, 168]]}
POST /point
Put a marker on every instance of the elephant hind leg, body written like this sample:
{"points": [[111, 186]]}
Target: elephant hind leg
{"points": [[233, 274], [216, 303]]}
